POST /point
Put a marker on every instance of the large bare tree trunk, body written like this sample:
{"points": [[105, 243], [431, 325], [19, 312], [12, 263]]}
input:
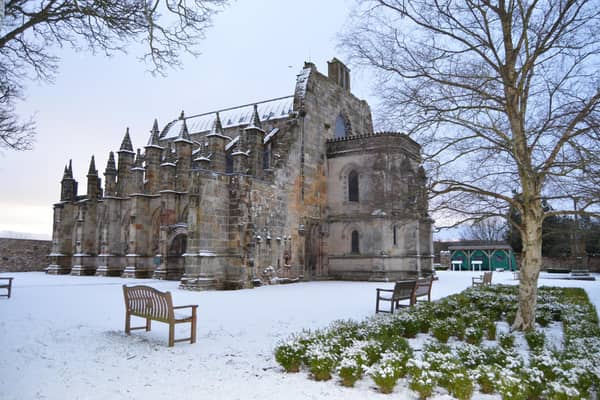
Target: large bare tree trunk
{"points": [[531, 264]]}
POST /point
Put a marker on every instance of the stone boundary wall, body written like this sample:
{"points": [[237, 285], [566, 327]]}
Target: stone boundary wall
{"points": [[22, 255], [590, 262]]}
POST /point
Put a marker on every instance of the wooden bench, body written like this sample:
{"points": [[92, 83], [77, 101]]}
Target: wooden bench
{"points": [[483, 280], [152, 304], [404, 290], [7, 286]]}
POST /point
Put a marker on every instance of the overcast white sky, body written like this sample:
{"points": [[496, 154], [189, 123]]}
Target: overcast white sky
{"points": [[253, 52]]}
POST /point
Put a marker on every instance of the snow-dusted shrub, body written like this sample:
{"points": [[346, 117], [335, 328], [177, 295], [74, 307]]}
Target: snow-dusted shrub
{"points": [[352, 363], [290, 355], [423, 312], [460, 385], [510, 386], [535, 340], [562, 391], [350, 370], [507, 341], [490, 328], [473, 335], [322, 360], [471, 356], [410, 324], [373, 351], [440, 330], [422, 378], [486, 376], [386, 373]]}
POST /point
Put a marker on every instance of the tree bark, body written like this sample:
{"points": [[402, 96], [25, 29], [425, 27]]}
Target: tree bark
{"points": [[531, 265]]}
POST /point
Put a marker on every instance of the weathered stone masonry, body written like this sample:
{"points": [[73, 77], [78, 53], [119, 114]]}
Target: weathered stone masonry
{"points": [[293, 187]]}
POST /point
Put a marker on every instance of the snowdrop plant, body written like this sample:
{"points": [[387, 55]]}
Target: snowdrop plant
{"points": [[384, 375], [352, 363], [322, 360], [422, 378]]}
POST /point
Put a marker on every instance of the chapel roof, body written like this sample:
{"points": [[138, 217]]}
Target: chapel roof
{"points": [[268, 110]]}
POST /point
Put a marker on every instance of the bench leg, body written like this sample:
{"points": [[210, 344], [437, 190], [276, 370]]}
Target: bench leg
{"points": [[377, 304], [148, 324], [193, 333], [128, 323], [171, 335]]}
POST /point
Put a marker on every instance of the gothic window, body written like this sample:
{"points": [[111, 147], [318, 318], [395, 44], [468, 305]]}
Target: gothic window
{"points": [[355, 243], [340, 127], [228, 163], [353, 186], [267, 156], [395, 233]]}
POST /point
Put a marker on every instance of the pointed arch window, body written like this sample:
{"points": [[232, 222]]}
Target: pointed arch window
{"points": [[395, 234], [355, 248], [229, 163], [353, 186], [340, 127]]}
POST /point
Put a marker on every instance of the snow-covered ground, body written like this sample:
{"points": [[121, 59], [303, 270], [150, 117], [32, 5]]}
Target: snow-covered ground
{"points": [[62, 337]]}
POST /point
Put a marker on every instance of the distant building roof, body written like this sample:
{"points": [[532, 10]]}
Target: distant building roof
{"points": [[479, 245]]}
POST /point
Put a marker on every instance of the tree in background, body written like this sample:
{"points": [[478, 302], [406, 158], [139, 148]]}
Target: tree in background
{"points": [[504, 97], [30, 30], [489, 230]]}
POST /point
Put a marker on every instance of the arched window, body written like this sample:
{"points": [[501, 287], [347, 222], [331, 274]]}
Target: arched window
{"points": [[395, 233], [355, 243], [340, 127], [353, 186]]}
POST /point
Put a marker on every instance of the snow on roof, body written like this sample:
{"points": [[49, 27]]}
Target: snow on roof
{"points": [[232, 117], [230, 144], [302, 81], [270, 135]]}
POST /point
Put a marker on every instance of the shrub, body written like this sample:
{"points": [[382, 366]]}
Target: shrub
{"points": [[470, 356], [321, 360], [535, 340], [440, 331], [458, 327], [373, 351], [486, 378], [543, 318], [410, 324], [507, 341], [511, 387], [562, 391], [473, 335], [422, 379], [290, 355], [460, 385], [384, 377], [490, 329], [350, 370], [352, 362]]}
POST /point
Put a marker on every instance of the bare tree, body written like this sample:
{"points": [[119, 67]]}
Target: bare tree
{"points": [[31, 29], [489, 229], [504, 97]]}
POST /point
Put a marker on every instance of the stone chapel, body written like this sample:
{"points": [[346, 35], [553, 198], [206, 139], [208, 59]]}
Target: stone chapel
{"points": [[298, 187]]}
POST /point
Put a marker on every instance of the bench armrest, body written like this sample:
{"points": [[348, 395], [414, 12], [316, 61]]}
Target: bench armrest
{"points": [[8, 279], [188, 306]]}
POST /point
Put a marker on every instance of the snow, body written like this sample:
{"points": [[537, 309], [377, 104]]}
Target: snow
{"points": [[62, 337]]}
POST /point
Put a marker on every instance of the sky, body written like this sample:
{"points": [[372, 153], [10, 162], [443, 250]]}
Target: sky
{"points": [[253, 52]]}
